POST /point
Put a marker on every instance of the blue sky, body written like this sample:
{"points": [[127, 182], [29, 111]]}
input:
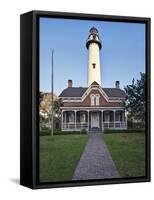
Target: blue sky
{"points": [[122, 53]]}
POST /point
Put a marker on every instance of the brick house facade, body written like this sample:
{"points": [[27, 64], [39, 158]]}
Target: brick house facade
{"points": [[93, 107]]}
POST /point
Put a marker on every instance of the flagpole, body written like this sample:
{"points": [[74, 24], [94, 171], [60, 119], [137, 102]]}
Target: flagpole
{"points": [[52, 90]]}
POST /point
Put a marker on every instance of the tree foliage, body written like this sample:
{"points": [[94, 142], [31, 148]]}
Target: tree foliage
{"points": [[40, 97], [135, 100], [57, 104]]}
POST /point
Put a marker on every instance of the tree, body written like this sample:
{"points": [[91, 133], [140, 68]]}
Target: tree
{"points": [[40, 97], [57, 104], [135, 100]]}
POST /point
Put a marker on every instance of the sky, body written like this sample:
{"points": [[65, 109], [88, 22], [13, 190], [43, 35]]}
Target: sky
{"points": [[122, 54]]}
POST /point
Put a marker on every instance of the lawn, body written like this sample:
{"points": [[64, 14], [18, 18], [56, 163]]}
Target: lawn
{"points": [[128, 153], [59, 156]]}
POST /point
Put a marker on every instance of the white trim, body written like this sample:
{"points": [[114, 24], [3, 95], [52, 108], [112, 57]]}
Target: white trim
{"points": [[114, 117], [70, 97], [79, 98], [71, 100], [110, 101], [122, 98], [92, 107], [75, 117]]}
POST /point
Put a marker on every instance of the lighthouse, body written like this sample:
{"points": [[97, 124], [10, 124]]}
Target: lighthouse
{"points": [[94, 46]]}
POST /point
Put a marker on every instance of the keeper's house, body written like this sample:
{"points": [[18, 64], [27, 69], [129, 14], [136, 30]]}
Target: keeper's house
{"points": [[93, 106]]}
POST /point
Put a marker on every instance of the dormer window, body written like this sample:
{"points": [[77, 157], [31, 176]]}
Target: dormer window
{"points": [[94, 65]]}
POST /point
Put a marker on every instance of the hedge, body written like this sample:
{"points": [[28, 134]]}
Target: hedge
{"points": [[55, 132], [124, 131]]}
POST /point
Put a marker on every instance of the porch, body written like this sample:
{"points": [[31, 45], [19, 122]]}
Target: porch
{"points": [[86, 119]]}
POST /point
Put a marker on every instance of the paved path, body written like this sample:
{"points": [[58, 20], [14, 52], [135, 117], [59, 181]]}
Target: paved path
{"points": [[96, 161]]}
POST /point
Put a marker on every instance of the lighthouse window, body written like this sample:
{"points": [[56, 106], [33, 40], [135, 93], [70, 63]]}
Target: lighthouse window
{"points": [[94, 65]]}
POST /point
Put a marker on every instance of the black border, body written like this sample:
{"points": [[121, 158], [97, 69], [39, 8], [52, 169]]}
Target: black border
{"points": [[30, 171]]}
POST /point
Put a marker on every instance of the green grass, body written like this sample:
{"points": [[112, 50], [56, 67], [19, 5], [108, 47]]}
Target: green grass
{"points": [[139, 130], [59, 156], [128, 152]]}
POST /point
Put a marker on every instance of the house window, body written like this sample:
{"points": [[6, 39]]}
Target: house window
{"points": [[95, 100], [92, 100], [94, 65]]}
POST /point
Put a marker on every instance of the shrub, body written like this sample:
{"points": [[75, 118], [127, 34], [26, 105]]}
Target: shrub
{"points": [[83, 131], [44, 132], [124, 130], [57, 132]]}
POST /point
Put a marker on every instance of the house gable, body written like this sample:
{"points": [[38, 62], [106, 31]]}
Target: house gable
{"points": [[88, 99], [82, 97], [85, 100]]}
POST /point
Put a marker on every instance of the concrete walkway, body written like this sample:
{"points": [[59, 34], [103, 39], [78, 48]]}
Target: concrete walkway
{"points": [[96, 161]]}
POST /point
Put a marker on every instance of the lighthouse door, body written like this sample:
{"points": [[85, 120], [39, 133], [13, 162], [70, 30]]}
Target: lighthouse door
{"points": [[95, 120]]}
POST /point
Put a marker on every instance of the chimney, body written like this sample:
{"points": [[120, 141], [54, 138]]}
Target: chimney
{"points": [[117, 84], [69, 83]]}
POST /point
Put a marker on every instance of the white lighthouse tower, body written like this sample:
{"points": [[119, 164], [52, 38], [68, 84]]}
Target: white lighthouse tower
{"points": [[94, 45]]}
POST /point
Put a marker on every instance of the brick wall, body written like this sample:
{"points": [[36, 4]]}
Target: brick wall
{"points": [[87, 102]]}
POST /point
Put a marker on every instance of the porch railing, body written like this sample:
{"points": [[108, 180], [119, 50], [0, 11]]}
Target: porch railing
{"points": [[77, 125], [84, 125], [118, 125]]}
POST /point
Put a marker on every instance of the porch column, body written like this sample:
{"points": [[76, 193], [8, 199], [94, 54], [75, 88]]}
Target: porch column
{"points": [[126, 119], [62, 120], [88, 119], [75, 118], [65, 117], [114, 117], [102, 120]]}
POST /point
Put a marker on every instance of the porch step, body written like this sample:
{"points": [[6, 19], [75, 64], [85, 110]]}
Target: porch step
{"points": [[95, 130]]}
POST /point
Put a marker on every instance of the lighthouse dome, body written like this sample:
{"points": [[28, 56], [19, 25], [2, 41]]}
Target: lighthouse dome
{"points": [[93, 38]]}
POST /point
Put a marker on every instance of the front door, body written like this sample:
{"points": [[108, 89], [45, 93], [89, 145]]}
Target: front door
{"points": [[94, 119]]}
